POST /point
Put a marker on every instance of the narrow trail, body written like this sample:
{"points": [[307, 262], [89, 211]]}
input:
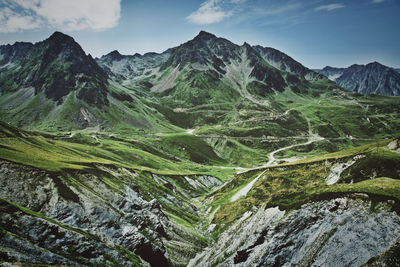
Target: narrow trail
{"points": [[272, 161]]}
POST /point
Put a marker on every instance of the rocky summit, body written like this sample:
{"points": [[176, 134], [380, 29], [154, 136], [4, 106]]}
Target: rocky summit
{"points": [[207, 154]]}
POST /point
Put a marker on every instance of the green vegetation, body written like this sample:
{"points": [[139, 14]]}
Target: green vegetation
{"points": [[290, 185]]}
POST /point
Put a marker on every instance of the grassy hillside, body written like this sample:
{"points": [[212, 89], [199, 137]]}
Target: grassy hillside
{"points": [[290, 185]]}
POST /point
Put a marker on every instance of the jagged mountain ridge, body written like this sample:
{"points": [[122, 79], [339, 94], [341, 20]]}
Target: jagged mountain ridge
{"points": [[53, 85], [215, 58], [284, 62], [373, 78], [126, 67], [58, 81]]}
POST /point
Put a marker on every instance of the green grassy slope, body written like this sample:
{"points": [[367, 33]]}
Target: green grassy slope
{"points": [[290, 185]]}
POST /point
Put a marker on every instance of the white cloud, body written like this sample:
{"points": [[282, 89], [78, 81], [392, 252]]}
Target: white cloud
{"points": [[377, 1], [67, 15], [329, 7], [209, 12]]}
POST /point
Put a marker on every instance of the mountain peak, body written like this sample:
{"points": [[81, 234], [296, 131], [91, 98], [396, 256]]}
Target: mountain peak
{"points": [[59, 41], [376, 64], [115, 55], [60, 37], [203, 35], [247, 45]]}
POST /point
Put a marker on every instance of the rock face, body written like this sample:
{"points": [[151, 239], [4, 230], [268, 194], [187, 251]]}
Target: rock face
{"points": [[97, 217], [61, 224], [373, 78], [124, 67], [284, 62], [338, 232]]}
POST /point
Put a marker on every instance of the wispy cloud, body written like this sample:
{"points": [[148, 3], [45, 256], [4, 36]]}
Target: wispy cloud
{"points": [[238, 1], [329, 7], [209, 12], [377, 1], [71, 15], [276, 10]]}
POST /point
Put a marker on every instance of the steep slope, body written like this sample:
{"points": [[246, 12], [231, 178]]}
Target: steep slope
{"points": [[98, 200], [103, 201], [373, 78], [294, 216], [284, 62]]}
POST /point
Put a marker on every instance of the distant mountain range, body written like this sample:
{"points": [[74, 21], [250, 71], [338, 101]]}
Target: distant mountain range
{"points": [[373, 78], [54, 85]]}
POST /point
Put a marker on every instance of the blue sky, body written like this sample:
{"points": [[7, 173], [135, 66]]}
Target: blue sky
{"points": [[314, 32]]}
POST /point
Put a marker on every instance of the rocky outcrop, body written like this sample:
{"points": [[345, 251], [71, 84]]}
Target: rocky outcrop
{"points": [[337, 232], [49, 219], [98, 216]]}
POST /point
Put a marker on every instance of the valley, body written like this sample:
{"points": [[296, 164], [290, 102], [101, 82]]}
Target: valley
{"points": [[208, 154]]}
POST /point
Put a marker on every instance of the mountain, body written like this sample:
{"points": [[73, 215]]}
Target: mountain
{"points": [[208, 154], [207, 82], [373, 78], [216, 61], [56, 67], [54, 85], [214, 73], [50, 80]]}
